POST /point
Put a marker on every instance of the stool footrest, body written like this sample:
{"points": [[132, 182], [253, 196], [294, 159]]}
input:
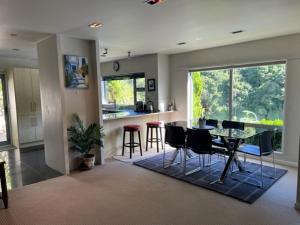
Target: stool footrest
{"points": [[128, 145]]}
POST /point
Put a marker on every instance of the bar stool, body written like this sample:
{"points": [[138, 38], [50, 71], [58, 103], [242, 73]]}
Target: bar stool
{"points": [[154, 125], [131, 144]]}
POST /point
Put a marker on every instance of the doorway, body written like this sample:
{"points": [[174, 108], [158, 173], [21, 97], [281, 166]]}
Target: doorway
{"points": [[4, 118]]}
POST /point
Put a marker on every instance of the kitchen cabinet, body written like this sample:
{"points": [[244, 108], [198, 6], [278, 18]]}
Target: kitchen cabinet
{"points": [[28, 103]]}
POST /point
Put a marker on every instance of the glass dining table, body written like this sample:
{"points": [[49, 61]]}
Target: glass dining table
{"points": [[231, 138]]}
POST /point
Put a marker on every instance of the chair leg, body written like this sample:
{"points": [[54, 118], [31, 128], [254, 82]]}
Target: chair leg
{"points": [[133, 150], [161, 138], [151, 137], [130, 144], [123, 148], [157, 144], [210, 168], [180, 155], [140, 143], [164, 156], [147, 139], [261, 172], [184, 160], [274, 165]]}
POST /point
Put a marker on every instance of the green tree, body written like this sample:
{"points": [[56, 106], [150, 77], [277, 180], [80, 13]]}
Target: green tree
{"points": [[120, 91]]}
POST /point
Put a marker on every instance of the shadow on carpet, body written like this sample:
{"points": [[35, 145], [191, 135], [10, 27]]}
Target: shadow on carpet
{"points": [[235, 185]]}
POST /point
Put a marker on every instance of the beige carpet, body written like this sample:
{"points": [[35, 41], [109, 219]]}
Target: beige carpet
{"points": [[120, 193]]}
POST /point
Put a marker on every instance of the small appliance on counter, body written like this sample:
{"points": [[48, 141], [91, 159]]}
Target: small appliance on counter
{"points": [[149, 107], [139, 106]]}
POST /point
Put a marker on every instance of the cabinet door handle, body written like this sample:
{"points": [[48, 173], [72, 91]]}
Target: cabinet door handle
{"points": [[31, 107]]}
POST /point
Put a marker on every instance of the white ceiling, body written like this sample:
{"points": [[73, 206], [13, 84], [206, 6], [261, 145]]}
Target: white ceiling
{"points": [[132, 25]]}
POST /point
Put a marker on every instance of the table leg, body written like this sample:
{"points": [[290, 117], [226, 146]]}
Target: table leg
{"points": [[232, 157]]}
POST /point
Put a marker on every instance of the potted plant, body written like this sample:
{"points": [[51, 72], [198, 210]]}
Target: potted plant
{"points": [[84, 139]]}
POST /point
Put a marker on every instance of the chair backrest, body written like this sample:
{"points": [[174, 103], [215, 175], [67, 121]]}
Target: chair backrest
{"points": [[199, 141], [266, 143], [233, 124], [211, 122], [175, 136]]}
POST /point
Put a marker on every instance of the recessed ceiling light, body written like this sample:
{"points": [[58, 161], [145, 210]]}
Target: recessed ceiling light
{"points": [[237, 32], [95, 25], [13, 35], [198, 39], [16, 49], [154, 2], [181, 43]]}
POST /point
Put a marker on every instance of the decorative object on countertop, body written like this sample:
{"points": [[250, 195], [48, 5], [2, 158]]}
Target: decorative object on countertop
{"points": [[139, 106], [76, 71], [151, 84], [149, 106], [84, 139], [170, 106]]}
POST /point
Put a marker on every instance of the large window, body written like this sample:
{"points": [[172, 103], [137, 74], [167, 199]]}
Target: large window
{"points": [[124, 90], [252, 94]]}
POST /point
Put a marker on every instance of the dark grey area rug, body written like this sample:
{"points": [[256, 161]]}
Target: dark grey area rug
{"points": [[236, 185]]}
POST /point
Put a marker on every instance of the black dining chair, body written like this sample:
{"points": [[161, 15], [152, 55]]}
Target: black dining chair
{"points": [[212, 122], [265, 148], [228, 125], [233, 124], [175, 137], [200, 142]]}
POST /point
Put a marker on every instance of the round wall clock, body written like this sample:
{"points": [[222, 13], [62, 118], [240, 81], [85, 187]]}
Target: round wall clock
{"points": [[116, 66]]}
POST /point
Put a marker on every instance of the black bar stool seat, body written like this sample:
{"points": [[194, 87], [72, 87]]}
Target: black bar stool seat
{"points": [[131, 128], [156, 125]]}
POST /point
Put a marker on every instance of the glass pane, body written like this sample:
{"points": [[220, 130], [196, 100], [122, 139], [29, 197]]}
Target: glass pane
{"points": [[210, 94], [258, 94], [140, 96], [3, 131], [120, 92], [140, 83]]}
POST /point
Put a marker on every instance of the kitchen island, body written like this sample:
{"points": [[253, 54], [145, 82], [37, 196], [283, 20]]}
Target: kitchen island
{"points": [[113, 127]]}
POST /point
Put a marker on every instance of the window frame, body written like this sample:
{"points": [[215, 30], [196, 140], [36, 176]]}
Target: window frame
{"points": [[134, 77], [230, 100]]}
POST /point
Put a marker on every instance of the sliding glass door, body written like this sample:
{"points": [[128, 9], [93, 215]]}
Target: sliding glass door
{"points": [[4, 122]]}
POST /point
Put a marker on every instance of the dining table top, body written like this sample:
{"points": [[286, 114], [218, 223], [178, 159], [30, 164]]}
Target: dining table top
{"points": [[249, 131]]}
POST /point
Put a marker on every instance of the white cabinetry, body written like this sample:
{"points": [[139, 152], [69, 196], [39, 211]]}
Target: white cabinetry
{"points": [[28, 101]]}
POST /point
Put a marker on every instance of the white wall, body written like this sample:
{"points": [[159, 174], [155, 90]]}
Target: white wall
{"points": [[84, 102], [12, 108], [163, 81], [281, 48], [146, 64], [52, 105], [59, 102]]}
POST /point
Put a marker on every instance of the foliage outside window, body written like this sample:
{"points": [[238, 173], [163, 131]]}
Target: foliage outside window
{"points": [[123, 90], [252, 94]]}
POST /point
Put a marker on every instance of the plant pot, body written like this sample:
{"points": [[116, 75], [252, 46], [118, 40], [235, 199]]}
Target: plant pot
{"points": [[202, 123], [88, 161]]}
